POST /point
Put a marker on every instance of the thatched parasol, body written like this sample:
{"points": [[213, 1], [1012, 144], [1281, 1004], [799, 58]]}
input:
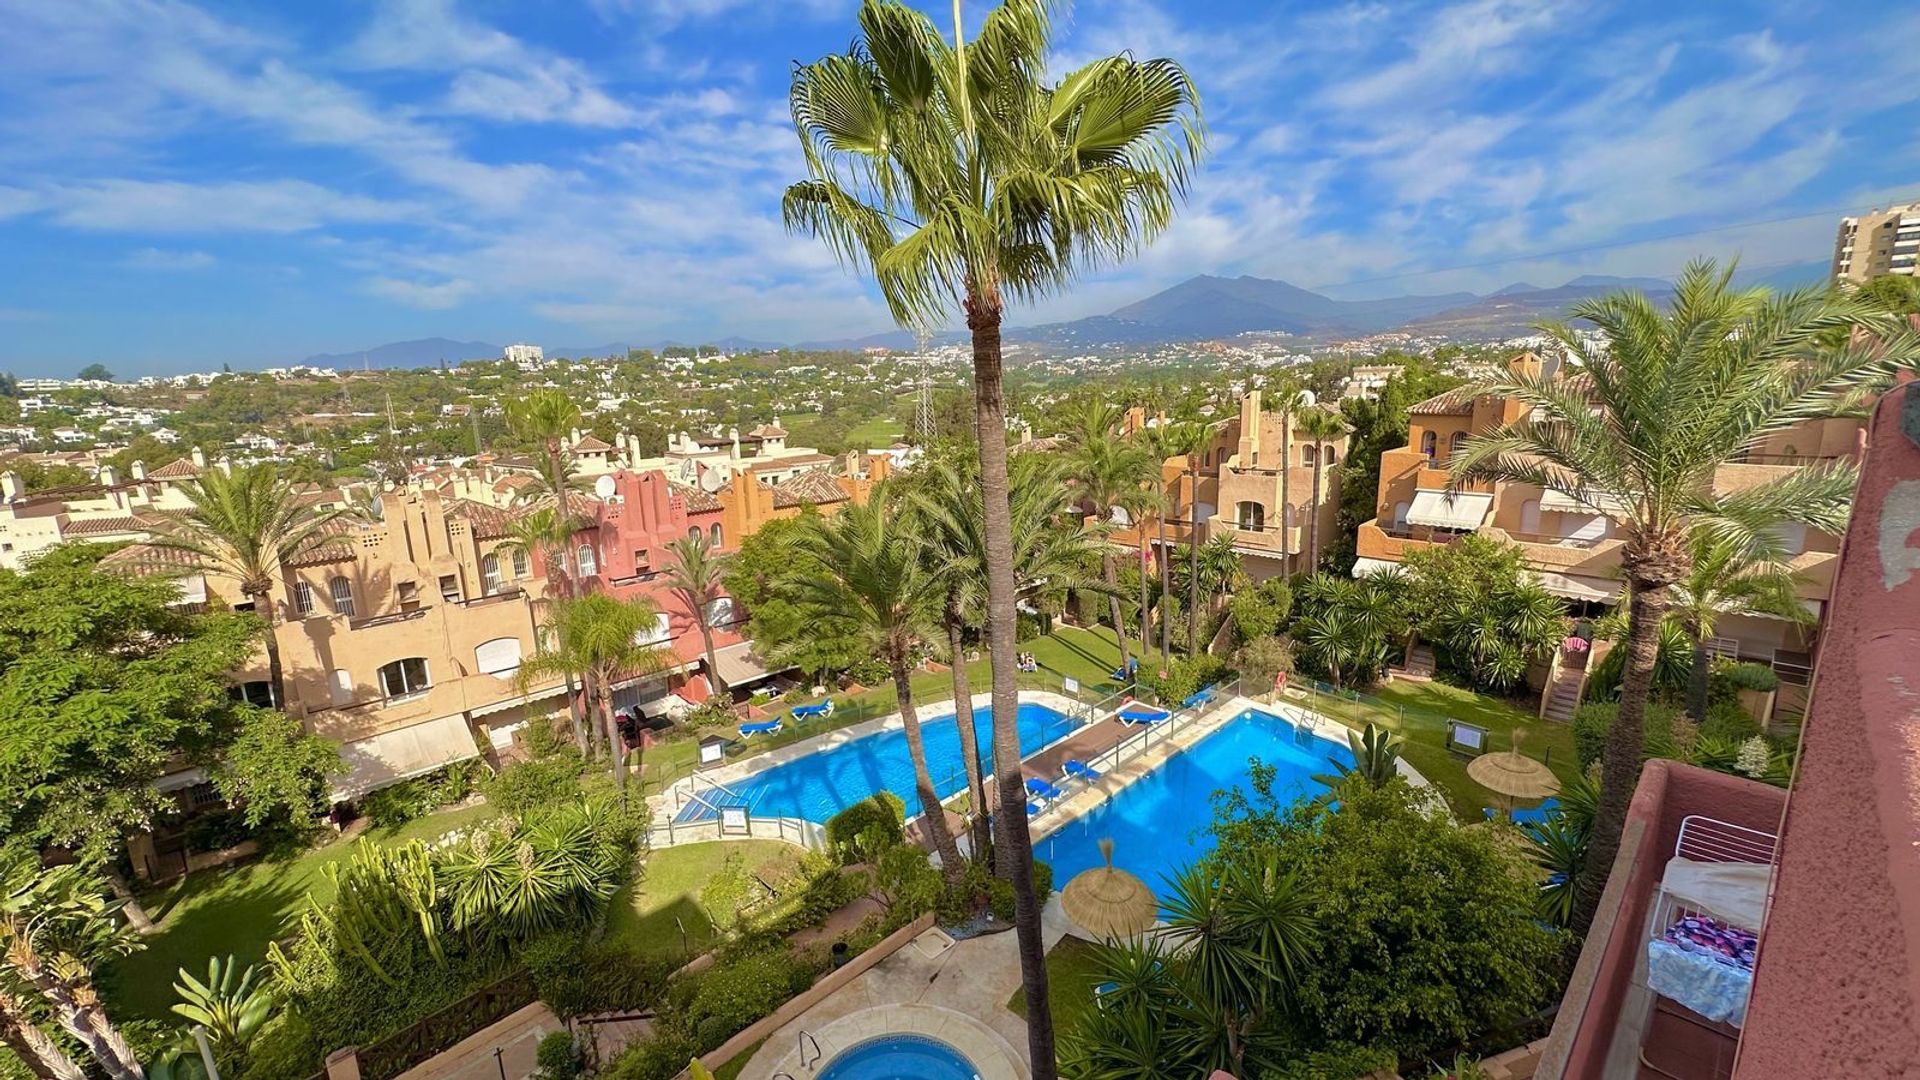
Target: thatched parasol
{"points": [[1109, 903], [1513, 774]]}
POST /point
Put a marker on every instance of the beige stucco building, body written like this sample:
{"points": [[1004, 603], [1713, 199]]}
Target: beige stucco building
{"points": [[1877, 242]]}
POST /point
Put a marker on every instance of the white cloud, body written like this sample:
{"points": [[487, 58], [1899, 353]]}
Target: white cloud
{"points": [[427, 35], [556, 91], [427, 295], [274, 206], [1450, 53], [162, 259]]}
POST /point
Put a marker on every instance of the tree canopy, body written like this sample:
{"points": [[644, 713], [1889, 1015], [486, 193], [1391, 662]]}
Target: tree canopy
{"points": [[105, 686]]}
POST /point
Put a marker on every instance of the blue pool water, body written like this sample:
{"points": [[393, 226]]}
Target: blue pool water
{"points": [[900, 1057], [1159, 823], [823, 783]]}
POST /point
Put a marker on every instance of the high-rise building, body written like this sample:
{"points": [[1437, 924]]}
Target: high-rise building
{"points": [[1876, 243]]}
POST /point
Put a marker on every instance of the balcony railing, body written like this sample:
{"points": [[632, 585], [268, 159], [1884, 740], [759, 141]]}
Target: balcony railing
{"points": [[1785, 459], [387, 619], [1584, 543]]}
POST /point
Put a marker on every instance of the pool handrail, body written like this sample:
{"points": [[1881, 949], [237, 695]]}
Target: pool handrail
{"points": [[804, 1039]]}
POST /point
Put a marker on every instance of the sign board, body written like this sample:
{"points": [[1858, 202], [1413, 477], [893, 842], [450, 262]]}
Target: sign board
{"points": [[733, 819], [1466, 738], [1071, 685], [712, 750]]}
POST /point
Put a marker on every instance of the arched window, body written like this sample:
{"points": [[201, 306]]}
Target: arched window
{"points": [[403, 678], [303, 598], [715, 543], [693, 532], [1455, 443], [522, 567], [1428, 441], [1332, 457], [1310, 454], [490, 573], [589, 566], [1251, 515], [341, 592]]}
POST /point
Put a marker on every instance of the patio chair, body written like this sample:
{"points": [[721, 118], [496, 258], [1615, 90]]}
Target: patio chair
{"points": [[1137, 713], [761, 727], [1080, 770], [1044, 791]]}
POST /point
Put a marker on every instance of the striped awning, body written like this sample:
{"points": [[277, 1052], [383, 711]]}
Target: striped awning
{"points": [[392, 756]]}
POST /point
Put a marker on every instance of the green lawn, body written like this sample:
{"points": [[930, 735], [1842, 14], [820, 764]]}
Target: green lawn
{"points": [[237, 912], [1072, 973], [660, 913], [731, 1069], [1419, 711]]}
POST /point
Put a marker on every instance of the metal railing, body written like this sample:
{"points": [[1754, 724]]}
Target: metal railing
{"points": [[1132, 743]]}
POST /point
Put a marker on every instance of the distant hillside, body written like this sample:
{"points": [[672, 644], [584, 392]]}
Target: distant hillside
{"points": [[427, 352]]}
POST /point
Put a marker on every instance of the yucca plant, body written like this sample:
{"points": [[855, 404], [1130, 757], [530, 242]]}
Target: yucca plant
{"points": [[1376, 758], [228, 1003]]}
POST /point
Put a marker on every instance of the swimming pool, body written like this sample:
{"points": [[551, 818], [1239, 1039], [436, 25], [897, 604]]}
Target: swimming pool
{"points": [[825, 782], [901, 1057], [1159, 823]]}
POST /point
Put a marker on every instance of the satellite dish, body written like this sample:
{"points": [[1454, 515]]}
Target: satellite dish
{"points": [[712, 481], [1307, 398], [603, 487]]}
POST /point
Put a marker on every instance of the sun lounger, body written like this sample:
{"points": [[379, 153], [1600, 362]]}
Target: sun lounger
{"points": [[809, 712], [761, 727], [1043, 790], [1033, 809], [1194, 701], [1141, 714], [1080, 770]]}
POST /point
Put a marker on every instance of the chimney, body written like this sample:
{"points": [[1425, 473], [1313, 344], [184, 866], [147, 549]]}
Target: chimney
{"points": [[226, 465], [11, 486], [734, 434], [139, 471], [199, 458], [573, 436], [1249, 448], [107, 477]]}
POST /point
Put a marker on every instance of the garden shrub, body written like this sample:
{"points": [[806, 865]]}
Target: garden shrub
{"points": [[1749, 676], [716, 711], [400, 803], [1667, 733], [1026, 627], [739, 990], [1000, 891], [529, 785], [1261, 611], [575, 977], [1727, 720], [662, 1057], [1339, 1062], [908, 884], [556, 1058], [868, 827], [1183, 678]]}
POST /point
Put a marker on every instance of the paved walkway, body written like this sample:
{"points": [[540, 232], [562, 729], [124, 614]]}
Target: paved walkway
{"points": [[516, 1037]]}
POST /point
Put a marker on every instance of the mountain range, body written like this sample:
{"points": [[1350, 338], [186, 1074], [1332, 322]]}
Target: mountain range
{"points": [[1202, 308]]}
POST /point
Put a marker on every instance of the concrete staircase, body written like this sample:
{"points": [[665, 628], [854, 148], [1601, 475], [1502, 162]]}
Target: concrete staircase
{"points": [[1418, 665], [1562, 696]]}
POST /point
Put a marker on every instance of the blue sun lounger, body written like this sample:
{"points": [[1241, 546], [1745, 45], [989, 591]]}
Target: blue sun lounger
{"points": [[1080, 770], [761, 727], [1196, 700], [1033, 809], [808, 712], [1141, 714], [1043, 790]]}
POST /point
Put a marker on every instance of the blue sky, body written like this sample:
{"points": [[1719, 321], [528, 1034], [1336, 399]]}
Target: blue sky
{"points": [[185, 184]]}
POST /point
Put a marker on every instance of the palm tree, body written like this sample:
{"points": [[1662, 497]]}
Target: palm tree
{"points": [[1191, 439], [56, 926], [1665, 400], [951, 524], [1220, 570], [1108, 472], [249, 525], [1289, 398], [539, 534], [1730, 578], [595, 640], [1319, 426], [1139, 503], [874, 579], [962, 179], [1163, 442], [546, 417], [694, 580]]}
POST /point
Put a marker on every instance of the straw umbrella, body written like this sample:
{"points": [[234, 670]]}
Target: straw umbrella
{"points": [[1108, 902], [1513, 774]]}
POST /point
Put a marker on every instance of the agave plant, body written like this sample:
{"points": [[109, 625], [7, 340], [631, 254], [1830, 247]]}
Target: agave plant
{"points": [[1376, 758], [228, 1003]]}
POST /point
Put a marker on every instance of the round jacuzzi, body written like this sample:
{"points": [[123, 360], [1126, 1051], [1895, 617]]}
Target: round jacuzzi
{"points": [[900, 1057]]}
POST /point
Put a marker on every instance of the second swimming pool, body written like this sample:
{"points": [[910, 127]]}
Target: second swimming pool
{"points": [[825, 782], [1159, 823]]}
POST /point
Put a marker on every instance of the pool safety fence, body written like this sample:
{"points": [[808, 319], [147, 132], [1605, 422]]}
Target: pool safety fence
{"points": [[737, 823], [1133, 743]]}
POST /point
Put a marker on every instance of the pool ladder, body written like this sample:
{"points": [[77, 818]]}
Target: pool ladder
{"points": [[806, 1039]]}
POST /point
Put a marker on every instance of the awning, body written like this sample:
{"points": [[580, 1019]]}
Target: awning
{"points": [[185, 778], [1596, 502], [1580, 588], [1463, 511], [739, 665], [1365, 567], [517, 700], [672, 705], [393, 756]]}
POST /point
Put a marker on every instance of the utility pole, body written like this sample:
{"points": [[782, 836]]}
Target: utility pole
{"points": [[923, 410]]}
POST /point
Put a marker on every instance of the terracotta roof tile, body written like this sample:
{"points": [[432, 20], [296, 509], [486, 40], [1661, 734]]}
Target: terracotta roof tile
{"points": [[1455, 402], [103, 526], [591, 445], [697, 499], [179, 469], [488, 522], [150, 560], [813, 486]]}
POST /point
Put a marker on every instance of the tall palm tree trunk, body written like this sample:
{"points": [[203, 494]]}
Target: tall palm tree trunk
{"points": [[1166, 596], [276, 674], [1112, 576], [601, 689], [1146, 626], [557, 479], [1313, 514], [932, 814], [1697, 678], [1014, 844], [1193, 555], [713, 666], [969, 735], [1620, 769], [1286, 491]]}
